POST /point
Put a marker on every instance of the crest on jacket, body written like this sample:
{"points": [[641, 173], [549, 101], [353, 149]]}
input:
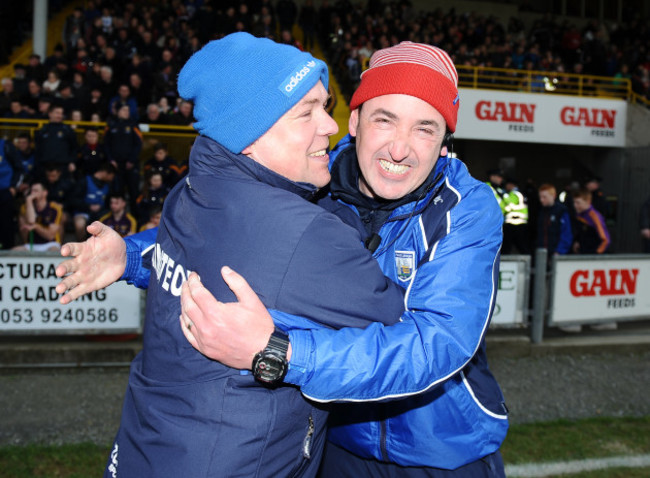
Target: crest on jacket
{"points": [[405, 264]]}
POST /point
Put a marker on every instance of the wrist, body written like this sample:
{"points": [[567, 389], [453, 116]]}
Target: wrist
{"points": [[270, 365]]}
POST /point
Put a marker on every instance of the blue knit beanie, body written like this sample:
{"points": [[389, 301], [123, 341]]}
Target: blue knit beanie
{"points": [[241, 85]]}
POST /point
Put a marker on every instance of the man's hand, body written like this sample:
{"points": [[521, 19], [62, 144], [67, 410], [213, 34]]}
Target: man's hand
{"points": [[95, 264], [645, 233], [231, 333]]}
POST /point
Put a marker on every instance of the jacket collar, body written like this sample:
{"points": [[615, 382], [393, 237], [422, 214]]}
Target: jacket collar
{"points": [[209, 160]]}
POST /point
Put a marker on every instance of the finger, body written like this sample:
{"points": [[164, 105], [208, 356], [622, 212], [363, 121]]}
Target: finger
{"points": [[71, 249], [95, 228], [188, 335], [73, 294], [65, 268], [239, 286], [189, 308], [201, 297]]}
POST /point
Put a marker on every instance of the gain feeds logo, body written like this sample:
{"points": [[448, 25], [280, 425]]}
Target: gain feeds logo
{"points": [[292, 81]]}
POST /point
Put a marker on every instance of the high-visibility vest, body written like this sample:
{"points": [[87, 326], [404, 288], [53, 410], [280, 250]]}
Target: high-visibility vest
{"points": [[516, 209], [499, 195]]}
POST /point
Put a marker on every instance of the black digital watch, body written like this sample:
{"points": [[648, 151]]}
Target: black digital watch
{"points": [[270, 365]]}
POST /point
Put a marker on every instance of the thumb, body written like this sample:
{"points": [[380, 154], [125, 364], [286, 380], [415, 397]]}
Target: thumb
{"points": [[95, 228], [240, 287]]}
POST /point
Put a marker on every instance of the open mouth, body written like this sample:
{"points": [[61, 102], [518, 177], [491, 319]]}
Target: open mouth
{"points": [[392, 167], [322, 152]]}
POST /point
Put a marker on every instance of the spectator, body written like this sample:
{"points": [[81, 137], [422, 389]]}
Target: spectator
{"points": [[90, 197], [515, 224], [95, 104], [183, 116], [8, 191], [165, 82], [644, 224], [162, 163], [598, 201], [495, 181], [60, 188], [154, 219], [56, 142], [153, 195], [30, 99], [21, 156], [118, 218], [43, 107], [51, 84], [139, 92], [553, 223], [35, 69], [65, 98], [592, 235], [154, 116], [92, 153], [40, 221], [123, 142], [20, 79], [16, 111], [74, 27], [7, 95], [123, 97]]}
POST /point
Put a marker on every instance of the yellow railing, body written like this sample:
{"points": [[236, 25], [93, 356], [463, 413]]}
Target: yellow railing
{"points": [[636, 98], [532, 81]]}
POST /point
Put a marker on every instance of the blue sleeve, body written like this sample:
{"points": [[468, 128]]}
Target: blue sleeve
{"points": [[566, 235], [137, 248], [449, 304]]}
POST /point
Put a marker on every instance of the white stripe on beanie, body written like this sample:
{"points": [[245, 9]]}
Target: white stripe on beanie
{"points": [[417, 53]]}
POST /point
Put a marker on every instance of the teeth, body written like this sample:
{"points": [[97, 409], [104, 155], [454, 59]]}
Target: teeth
{"points": [[392, 167], [322, 152]]}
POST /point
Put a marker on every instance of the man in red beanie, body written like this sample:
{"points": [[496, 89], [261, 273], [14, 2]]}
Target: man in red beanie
{"points": [[419, 398]]}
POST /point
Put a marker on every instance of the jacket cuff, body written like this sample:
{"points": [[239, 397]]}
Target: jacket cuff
{"points": [[133, 261], [302, 357]]}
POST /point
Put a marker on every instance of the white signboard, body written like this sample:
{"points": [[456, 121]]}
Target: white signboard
{"points": [[29, 303], [541, 118], [600, 288], [512, 297]]}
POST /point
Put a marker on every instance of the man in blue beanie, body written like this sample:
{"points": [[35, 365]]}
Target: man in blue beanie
{"points": [[434, 230], [262, 151]]}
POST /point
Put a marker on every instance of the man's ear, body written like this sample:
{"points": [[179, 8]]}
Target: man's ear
{"points": [[248, 150], [353, 122], [443, 151]]}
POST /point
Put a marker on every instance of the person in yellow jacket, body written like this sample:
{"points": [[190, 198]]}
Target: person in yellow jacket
{"points": [[515, 223]]}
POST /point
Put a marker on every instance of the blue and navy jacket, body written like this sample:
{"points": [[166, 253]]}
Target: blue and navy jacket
{"points": [[554, 229], [186, 415], [420, 392]]}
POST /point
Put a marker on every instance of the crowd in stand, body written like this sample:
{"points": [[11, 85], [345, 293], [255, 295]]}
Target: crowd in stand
{"points": [[117, 65], [351, 33]]}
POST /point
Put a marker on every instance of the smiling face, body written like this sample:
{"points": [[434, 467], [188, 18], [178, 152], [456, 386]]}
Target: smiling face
{"points": [[296, 145], [398, 140]]}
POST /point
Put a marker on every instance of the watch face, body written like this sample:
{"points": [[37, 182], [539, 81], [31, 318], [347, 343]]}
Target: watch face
{"points": [[269, 369]]}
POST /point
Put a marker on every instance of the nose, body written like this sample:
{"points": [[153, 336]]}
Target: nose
{"points": [[328, 126], [399, 148]]}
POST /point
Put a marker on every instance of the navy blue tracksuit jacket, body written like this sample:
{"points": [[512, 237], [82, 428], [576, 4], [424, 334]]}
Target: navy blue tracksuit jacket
{"points": [[185, 415]]}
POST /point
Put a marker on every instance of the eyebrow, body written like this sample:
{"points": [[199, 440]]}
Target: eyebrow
{"points": [[393, 116]]}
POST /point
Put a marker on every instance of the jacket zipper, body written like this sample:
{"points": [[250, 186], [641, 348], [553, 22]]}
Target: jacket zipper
{"points": [[382, 440], [306, 444]]}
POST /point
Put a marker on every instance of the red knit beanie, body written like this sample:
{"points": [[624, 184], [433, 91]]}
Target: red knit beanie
{"points": [[414, 69]]}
